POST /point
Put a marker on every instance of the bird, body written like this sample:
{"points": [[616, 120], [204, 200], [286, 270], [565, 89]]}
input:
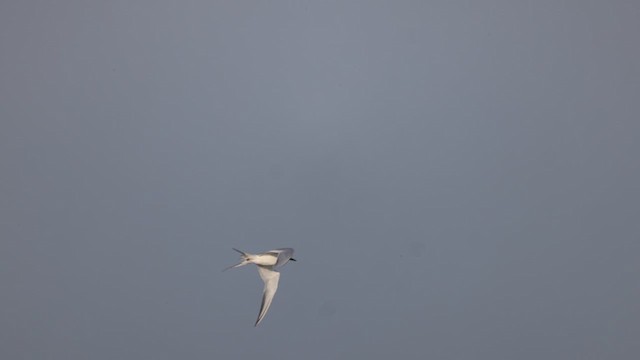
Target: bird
{"points": [[267, 263]]}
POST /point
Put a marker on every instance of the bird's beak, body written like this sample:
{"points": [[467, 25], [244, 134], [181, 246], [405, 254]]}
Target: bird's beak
{"points": [[292, 259]]}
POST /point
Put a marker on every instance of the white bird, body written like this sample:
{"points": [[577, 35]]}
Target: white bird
{"points": [[267, 262]]}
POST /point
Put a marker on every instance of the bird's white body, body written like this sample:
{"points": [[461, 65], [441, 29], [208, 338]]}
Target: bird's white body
{"points": [[267, 262], [266, 259]]}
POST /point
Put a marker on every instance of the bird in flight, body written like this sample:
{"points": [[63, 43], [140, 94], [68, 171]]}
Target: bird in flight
{"points": [[267, 263]]}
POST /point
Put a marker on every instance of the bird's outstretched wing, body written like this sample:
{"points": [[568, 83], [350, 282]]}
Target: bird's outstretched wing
{"points": [[284, 255], [270, 278]]}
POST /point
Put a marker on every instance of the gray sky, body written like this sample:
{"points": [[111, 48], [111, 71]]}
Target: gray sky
{"points": [[460, 179]]}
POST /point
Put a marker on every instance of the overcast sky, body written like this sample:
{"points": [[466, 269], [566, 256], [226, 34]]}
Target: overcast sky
{"points": [[459, 179]]}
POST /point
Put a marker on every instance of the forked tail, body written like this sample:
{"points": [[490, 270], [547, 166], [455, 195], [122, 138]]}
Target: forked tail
{"points": [[244, 260]]}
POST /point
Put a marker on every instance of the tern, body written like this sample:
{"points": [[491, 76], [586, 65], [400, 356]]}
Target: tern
{"points": [[267, 263]]}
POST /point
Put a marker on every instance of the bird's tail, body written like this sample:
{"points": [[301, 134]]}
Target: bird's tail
{"points": [[244, 260]]}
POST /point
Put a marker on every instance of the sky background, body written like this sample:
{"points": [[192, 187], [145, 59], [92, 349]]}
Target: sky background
{"points": [[459, 179]]}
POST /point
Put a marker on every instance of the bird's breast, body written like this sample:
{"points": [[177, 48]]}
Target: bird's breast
{"points": [[264, 260]]}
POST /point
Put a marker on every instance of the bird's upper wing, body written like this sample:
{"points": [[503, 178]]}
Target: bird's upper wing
{"points": [[270, 278], [283, 256]]}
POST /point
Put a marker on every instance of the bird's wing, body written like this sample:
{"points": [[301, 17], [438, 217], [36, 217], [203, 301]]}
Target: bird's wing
{"points": [[283, 256], [270, 278]]}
